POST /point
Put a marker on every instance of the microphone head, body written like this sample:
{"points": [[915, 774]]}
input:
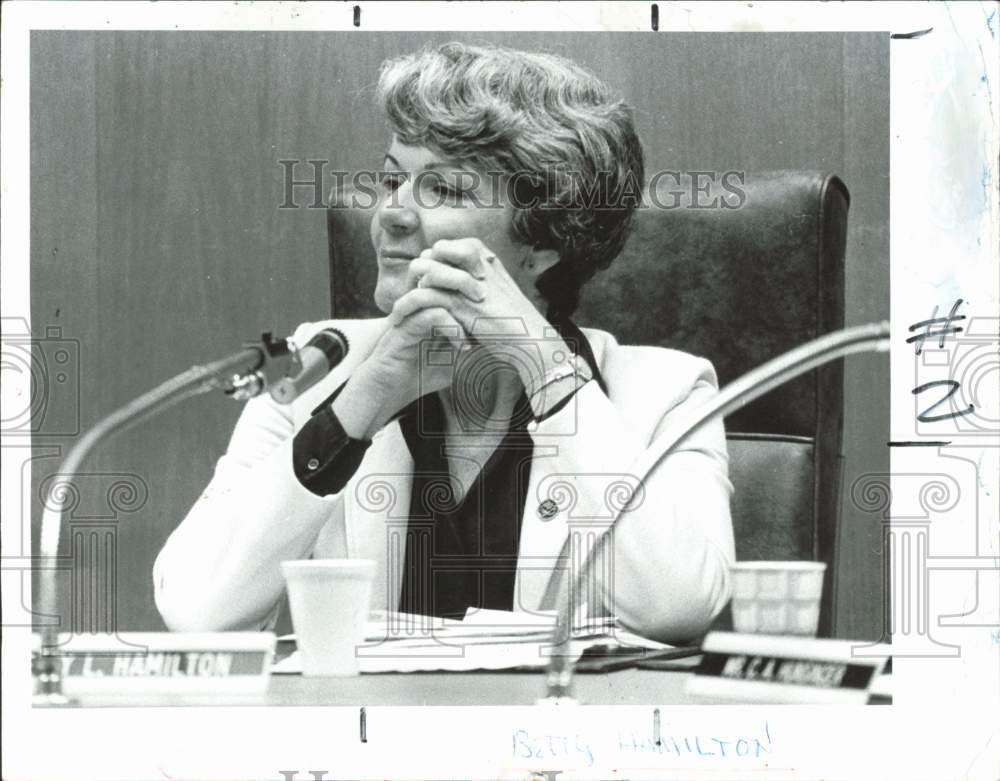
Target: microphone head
{"points": [[318, 357], [333, 343]]}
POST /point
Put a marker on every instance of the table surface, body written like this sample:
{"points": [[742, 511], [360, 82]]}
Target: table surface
{"points": [[653, 682], [621, 687]]}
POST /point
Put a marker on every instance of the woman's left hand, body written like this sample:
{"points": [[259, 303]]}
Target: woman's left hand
{"points": [[471, 282]]}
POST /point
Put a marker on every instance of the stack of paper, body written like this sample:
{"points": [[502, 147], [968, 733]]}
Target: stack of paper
{"points": [[484, 640]]}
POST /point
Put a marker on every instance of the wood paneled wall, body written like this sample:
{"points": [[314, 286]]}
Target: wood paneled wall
{"points": [[157, 240]]}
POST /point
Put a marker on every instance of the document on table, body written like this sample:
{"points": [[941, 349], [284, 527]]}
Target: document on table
{"points": [[484, 640]]}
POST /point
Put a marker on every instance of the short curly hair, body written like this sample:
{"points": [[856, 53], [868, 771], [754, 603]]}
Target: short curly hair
{"points": [[561, 134]]}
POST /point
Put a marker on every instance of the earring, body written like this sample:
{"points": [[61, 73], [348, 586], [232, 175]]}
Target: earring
{"points": [[529, 263]]}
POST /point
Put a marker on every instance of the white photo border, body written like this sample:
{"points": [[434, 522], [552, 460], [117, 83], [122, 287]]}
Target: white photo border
{"points": [[943, 721]]}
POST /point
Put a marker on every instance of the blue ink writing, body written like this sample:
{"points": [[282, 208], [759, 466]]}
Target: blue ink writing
{"points": [[748, 746], [524, 745]]}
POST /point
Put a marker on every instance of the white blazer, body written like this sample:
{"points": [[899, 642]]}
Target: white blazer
{"points": [[666, 574]]}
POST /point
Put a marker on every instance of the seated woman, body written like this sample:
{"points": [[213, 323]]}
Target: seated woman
{"points": [[475, 429]]}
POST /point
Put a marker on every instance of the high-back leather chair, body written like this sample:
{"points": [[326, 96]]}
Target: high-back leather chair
{"points": [[737, 272]]}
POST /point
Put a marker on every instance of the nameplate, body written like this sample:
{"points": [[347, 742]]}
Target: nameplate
{"points": [[163, 662], [772, 668]]}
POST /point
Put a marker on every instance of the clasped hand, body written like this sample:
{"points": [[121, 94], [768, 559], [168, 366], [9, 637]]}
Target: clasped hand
{"points": [[472, 284], [460, 297]]}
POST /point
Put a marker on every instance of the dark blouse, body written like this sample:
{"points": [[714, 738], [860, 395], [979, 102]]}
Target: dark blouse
{"points": [[458, 555], [462, 554]]}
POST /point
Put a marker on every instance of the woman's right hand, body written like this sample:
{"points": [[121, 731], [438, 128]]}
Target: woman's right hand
{"points": [[394, 374]]}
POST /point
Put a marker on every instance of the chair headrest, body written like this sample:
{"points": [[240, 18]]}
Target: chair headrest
{"points": [[738, 272]]}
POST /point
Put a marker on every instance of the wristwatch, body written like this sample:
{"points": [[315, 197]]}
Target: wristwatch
{"points": [[573, 368]]}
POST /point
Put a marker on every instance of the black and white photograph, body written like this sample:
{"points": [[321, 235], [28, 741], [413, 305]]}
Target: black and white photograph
{"points": [[565, 373]]}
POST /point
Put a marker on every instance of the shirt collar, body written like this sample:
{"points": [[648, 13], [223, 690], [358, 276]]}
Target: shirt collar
{"points": [[579, 344]]}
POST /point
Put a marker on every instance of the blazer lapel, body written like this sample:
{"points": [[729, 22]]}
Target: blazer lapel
{"points": [[376, 511], [548, 517], [378, 502]]}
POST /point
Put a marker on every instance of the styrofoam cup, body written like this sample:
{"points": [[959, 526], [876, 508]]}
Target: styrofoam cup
{"points": [[329, 603], [777, 597]]}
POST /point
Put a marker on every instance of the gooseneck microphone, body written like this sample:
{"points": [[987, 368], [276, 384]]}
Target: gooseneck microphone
{"points": [[315, 360], [243, 375], [566, 584]]}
